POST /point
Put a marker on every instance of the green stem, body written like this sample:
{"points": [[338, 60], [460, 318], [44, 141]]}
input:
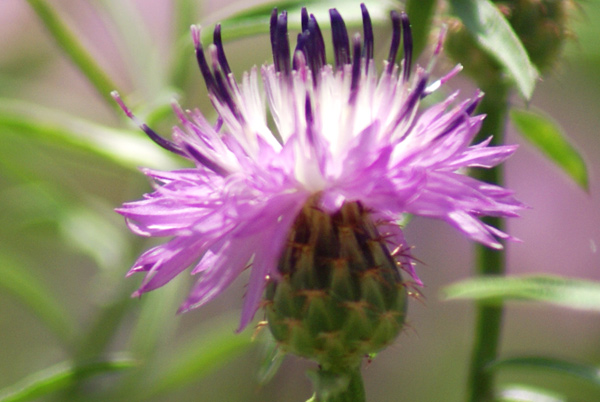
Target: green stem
{"points": [[183, 51], [69, 43], [420, 13], [344, 386], [488, 321]]}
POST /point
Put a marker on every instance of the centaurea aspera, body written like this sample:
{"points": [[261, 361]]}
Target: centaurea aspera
{"points": [[345, 138]]}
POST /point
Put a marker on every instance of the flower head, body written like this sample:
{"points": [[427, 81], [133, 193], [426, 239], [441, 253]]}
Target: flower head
{"points": [[342, 134]]}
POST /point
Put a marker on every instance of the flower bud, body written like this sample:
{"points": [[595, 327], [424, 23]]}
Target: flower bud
{"points": [[339, 295], [539, 24]]}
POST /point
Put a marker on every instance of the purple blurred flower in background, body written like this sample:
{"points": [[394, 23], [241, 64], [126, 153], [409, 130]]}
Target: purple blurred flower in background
{"points": [[342, 133]]}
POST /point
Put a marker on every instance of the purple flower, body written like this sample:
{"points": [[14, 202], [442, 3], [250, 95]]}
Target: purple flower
{"points": [[342, 133]]}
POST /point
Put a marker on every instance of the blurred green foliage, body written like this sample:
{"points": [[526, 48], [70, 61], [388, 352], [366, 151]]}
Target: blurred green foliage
{"points": [[64, 253]]}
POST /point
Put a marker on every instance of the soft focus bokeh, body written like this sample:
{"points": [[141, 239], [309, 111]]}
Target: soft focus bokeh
{"points": [[44, 229]]}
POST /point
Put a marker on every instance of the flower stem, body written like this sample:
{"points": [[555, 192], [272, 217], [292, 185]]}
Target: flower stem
{"points": [[488, 320], [346, 386]]}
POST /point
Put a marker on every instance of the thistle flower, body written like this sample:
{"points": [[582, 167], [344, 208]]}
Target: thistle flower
{"points": [[347, 142]]}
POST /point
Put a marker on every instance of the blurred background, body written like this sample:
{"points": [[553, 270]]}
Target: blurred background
{"points": [[58, 231]]}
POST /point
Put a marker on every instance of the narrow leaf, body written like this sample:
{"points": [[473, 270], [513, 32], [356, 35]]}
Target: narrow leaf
{"points": [[60, 377], [588, 373], [90, 227], [522, 393], [272, 359], [154, 328], [95, 235], [141, 55], [129, 149], [78, 54], [549, 138], [556, 290], [494, 34], [157, 319], [105, 324], [16, 280], [202, 355]]}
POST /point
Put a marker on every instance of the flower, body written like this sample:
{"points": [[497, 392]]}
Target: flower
{"points": [[342, 134]]}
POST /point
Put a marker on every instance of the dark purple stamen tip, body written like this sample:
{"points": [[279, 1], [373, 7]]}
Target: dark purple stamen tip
{"points": [[316, 46], [311, 45], [283, 42], [356, 61], [198, 157], [201, 59], [413, 99], [368, 33], [273, 29], [474, 103], [301, 47], [408, 45], [341, 43], [222, 90], [280, 43], [304, 18], [220, 50], [462, 116], [395, 45], [453, 125], [166, 144], [223, 87]]}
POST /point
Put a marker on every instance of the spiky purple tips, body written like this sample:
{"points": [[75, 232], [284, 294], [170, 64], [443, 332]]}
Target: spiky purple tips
{"points": [[166, 144]]}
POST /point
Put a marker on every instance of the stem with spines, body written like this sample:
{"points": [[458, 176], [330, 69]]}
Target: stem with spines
{"points": [[350, 389]]}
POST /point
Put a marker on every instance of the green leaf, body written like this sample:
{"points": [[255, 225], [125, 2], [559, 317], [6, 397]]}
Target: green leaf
{"points": [[68, 42], [548, 137], [136, 45], [157, 319], [588, 373], [560, 291], [129, 149], [526, 393], [272, 359], [203, 354], [16, 280], [105, 323], [60, 377], [91, 227], [155, 325], [494, 34], [95, 235]]}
